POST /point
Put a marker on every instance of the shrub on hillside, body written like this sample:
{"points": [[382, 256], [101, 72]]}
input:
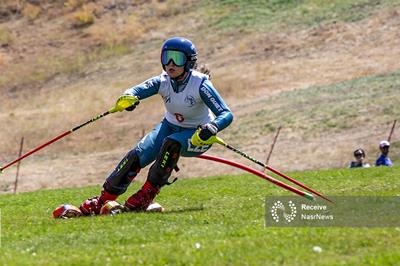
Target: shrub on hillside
{"points": [[82, 18], [5, 37]]}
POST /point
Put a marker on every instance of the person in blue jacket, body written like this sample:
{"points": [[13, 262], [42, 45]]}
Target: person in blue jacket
{"points": [[383, 159], [194, 108]]}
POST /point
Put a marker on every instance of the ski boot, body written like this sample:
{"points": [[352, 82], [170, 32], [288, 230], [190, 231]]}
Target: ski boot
{"points": [[141, 200], [92, 206]]}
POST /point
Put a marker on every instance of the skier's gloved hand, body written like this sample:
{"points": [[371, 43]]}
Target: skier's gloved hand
{"points": [[132, 107], [124, 102], [205, 135], [207, 131]]}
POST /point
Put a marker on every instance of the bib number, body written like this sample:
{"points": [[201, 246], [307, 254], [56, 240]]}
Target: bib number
{"points": [[179, 117]]}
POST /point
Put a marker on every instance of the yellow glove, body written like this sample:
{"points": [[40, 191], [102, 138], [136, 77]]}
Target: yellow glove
{"points": [[124, 102], [205, 135], [197, 141]]}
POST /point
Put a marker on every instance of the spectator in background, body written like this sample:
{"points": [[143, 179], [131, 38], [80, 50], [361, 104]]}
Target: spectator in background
{"points": [[383, 159], [359, 155]]}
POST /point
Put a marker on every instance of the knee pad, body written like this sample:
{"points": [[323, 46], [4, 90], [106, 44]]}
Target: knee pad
{"points": [[118, 181], [165, 162]]}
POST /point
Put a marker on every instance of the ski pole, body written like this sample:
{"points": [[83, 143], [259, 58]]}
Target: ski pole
{"points": [[258, 173], [123, 102], [55, 139], [222, 142]]}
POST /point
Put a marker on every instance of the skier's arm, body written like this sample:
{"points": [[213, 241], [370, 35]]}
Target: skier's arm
{"points": [[146, 89], [214, 101]]}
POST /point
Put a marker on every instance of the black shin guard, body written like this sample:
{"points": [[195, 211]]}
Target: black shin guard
{"points": [[118, 181], [166, 161]]}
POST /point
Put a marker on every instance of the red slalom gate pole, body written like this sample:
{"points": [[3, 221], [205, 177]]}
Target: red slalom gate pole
{"points": [[258, 173], [21, 146], [391, 131], [273, 145]]}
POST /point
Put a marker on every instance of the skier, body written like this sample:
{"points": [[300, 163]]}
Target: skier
{"points": [[194, 113]]}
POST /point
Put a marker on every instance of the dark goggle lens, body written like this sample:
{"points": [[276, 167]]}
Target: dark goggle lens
{"points": [[177, 57]]}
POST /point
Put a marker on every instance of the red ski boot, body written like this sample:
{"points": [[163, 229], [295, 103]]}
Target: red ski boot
{"points": [[141, 200], [93, 205]]}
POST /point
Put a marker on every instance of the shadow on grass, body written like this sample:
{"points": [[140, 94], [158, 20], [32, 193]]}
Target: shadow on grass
{"points": [[184, 210]]}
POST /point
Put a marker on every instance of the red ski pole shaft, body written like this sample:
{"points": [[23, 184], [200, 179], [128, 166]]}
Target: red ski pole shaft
{"points": [[36, 149], [258, 173], [53, 140]]}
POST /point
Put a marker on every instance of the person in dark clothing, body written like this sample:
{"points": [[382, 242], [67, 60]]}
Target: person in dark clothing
{"points": [[359, 156]]}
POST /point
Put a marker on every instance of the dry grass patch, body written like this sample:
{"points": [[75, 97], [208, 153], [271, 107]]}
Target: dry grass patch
{"points": [[170, 8], [31, 11], [9, 8], [5, 37], [115, 30], [73, 4]]}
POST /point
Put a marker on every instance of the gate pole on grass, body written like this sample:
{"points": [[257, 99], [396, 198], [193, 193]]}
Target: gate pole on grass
{"points": [[272, 146], [19, 162], [391, 131]]}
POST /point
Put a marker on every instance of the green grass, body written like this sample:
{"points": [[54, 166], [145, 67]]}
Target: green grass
{"points": [[275, 14], [313, 111], [224, 214]]}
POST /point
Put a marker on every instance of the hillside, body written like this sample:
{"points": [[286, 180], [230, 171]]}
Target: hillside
{"points": [[327, 72]]}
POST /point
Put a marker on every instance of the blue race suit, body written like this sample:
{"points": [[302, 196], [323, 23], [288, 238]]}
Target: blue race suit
{"points": [[188, 104]]}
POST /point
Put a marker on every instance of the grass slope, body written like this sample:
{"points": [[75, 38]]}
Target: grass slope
{"points": [[329, 121], [213, 221], [358, 103], [278, 14]]}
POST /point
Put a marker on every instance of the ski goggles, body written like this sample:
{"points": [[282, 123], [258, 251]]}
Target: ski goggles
{"points": [[177, 57]]}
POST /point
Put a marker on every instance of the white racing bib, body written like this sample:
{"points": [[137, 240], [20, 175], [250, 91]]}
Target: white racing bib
{"points": [[185, 108]]}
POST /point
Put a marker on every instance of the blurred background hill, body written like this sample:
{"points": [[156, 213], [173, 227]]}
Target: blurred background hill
{"points": [[326, 71]]}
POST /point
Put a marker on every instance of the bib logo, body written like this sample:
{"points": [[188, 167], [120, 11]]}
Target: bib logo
{"points": [[278, 208], [190, 101]]}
